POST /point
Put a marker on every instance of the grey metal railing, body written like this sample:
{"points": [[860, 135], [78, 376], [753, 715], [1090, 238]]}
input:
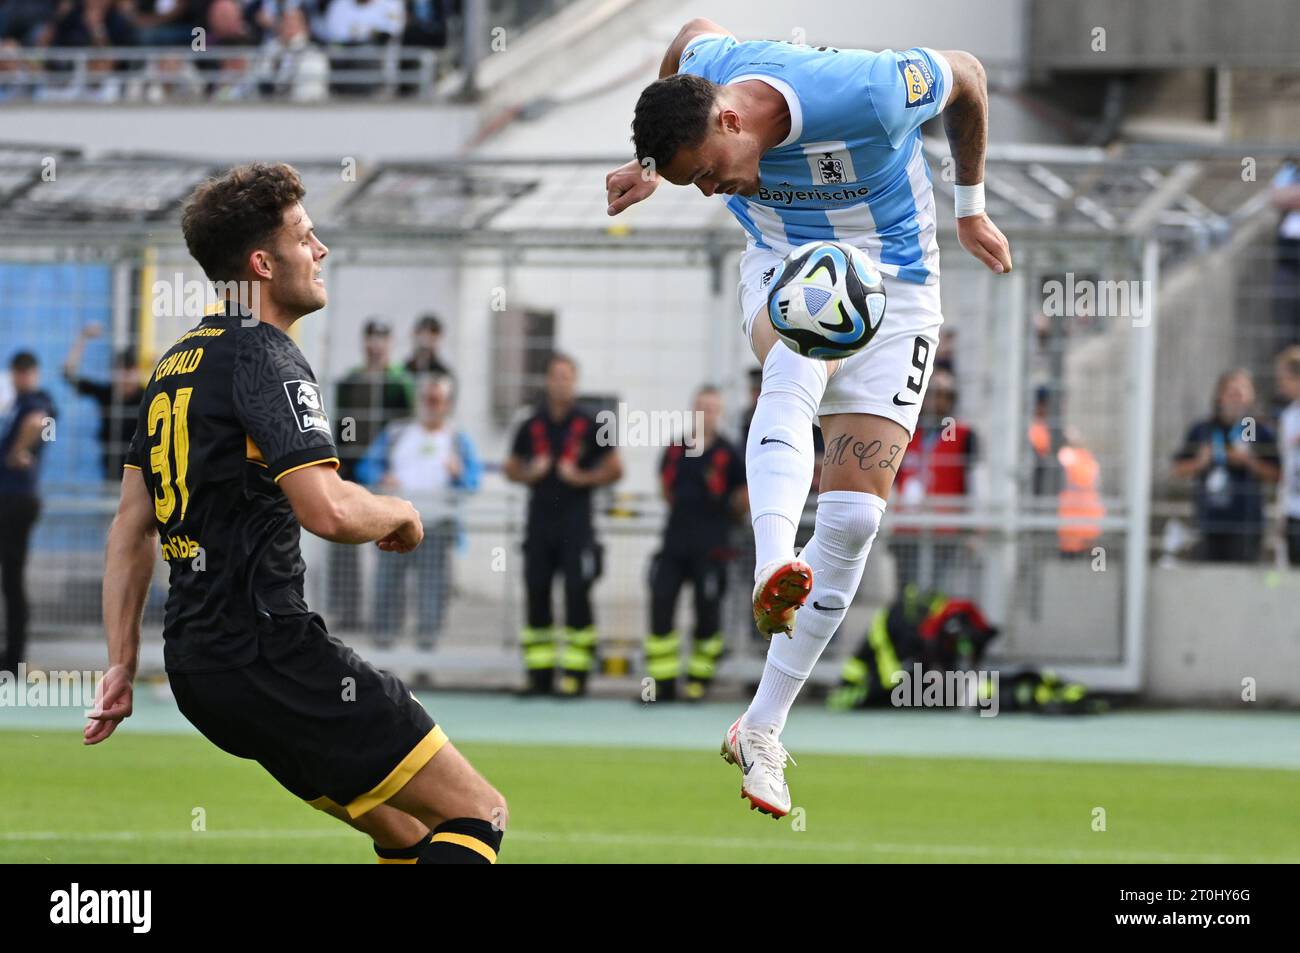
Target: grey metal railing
{"points": [[170, 74]]}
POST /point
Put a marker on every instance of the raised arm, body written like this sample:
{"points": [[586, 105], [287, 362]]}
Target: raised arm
{"points": [[72, 363], [966, 122], [631, 182], [693, 28]]}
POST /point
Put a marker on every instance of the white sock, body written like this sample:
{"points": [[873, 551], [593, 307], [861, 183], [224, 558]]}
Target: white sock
{"points": [[847, 523], [779, 454]]}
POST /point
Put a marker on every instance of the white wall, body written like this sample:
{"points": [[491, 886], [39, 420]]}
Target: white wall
{"points": [[227, 134], [1212, 627]]}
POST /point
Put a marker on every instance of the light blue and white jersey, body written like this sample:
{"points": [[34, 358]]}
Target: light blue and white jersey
{"points": [[852, 168]]}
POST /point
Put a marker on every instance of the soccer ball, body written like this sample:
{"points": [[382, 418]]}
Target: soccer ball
{"points": [[828, 300]]}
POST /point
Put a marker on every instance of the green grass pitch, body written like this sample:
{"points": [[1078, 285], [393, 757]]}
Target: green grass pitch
{"points": [[133, 799]]}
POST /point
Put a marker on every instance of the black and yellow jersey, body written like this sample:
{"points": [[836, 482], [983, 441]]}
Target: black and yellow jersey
{"points": [[230, 409]]}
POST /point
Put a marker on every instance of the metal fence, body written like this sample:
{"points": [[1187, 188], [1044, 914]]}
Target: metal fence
{"points": [[222, 74], [651, 315]]}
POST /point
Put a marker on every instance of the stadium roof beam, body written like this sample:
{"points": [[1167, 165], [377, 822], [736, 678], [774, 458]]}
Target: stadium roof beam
{"points": [[1074, 196], [1169, 188]]}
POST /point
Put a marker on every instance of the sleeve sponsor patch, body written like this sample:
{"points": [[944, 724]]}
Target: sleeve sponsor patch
{"points": [[918, 79], [308, 408]]}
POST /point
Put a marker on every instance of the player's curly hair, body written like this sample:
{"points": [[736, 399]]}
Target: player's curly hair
{"points": [[672, 113], [226, 218]]}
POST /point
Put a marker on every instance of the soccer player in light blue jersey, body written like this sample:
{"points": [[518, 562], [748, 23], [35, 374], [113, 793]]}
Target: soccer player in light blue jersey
{"points": [[815, 143]]}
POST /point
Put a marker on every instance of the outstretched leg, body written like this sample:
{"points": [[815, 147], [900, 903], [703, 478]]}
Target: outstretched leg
{"points": [[779, 469], [862, 455], [863, 452]]}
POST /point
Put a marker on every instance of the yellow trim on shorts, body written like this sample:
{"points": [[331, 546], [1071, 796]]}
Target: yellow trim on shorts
{"points": [[129, 466], [303, 466], [471, 843], [406, 769], [397, 860]]}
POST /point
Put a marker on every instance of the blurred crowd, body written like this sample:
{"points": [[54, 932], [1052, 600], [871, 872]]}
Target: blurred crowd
{"points": [[300, 45], [79, 23]]}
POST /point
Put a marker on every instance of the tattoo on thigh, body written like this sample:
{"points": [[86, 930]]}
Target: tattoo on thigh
{"points": [[868, 454]]}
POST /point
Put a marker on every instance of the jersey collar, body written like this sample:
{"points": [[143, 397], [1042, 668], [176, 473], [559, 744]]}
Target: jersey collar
{"points": [[791, 102]]}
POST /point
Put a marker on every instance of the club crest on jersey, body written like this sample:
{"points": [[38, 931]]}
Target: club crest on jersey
{"points": [[830, 163], [308, 409], [830, 170], [919, 81]]}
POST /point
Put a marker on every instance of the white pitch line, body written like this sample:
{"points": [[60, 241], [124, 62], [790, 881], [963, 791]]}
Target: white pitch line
{"points": [[609, 839]]}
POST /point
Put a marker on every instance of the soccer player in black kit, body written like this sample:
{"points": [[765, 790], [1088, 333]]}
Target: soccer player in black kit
{"points": [[558, 453], [704, 485], [233, 453]]}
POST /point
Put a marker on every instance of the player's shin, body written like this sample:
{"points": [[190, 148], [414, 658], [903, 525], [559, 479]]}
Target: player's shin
{"points": [[463, 840], [847, 523], [779, 454], [402, 855]]}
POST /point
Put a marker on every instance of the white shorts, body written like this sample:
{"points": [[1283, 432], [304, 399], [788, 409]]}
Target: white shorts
{"points": [[889, 376]]}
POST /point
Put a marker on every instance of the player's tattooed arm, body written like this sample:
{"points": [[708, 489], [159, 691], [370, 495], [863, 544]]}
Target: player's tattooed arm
{"points": [[966, 121], [867, 453], [690, 31], [966, 116]]}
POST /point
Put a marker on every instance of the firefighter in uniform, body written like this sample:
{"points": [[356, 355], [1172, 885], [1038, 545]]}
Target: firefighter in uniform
{"points": [[704, 486], [557, 453]]}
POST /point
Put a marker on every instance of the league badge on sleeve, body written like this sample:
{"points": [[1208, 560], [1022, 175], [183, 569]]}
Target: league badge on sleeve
{"points": [[919, 80], [308, 409]]}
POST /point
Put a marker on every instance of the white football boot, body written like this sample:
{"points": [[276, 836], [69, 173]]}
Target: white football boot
{"points": [[761, 758], [782, 587]]}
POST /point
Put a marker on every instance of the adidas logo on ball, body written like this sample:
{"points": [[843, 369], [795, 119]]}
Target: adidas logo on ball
{"points": [[828, 300]]}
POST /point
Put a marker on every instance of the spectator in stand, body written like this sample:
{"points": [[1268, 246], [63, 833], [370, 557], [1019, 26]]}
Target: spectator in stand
{"points": [[1286, 276], [118, 399], [167, 22], [15, 76], [936, 473], [424, 358], [22, 438], [26, 21], [1288, 383], [428, 461], [364, 22], [360, 23], [366, 401], [227, 26], [1231, 457], [426, 23], [292, 67], [94, 23]]}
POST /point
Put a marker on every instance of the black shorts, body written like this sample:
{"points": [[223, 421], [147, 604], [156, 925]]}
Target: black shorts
{"points": [[329, 726]]}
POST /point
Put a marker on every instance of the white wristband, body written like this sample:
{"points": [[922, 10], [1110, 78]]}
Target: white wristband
{"points": [[969, 199]]}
